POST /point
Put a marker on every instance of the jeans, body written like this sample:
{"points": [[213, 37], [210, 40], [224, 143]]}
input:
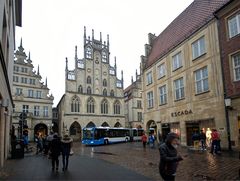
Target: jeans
{"points": [[65, 161], [55, 160]]}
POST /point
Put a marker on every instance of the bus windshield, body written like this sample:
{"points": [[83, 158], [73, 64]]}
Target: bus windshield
{"points": [[87, 134]]}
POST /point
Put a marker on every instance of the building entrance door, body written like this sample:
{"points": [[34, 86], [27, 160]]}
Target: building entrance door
{"points": [[191, 128], [165, 130]]}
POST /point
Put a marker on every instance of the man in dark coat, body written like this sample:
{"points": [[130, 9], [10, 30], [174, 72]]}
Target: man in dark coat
{"points": [[55, 150], [168, 157]]}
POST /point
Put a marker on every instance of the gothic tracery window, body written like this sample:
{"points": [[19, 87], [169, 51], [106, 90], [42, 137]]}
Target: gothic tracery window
{"points": [[90, 105], [104, 107], [104, 56], [89, 90], [80, 89], [89, 80], [104, 83], [105, 92], [117, 107], [112, 93], [75, 104]]}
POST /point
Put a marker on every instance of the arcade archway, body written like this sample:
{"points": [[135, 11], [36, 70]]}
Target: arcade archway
{"points": [[41, 129], [151, 127], [90, 125], [118, 125], [105, 124], [75, 131]]}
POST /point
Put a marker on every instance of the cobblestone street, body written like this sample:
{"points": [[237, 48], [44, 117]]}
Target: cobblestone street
{"points": [[197, 165], [126, 161]]}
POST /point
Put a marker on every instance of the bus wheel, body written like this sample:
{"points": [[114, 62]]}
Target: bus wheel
{"points": [[106, 142]]}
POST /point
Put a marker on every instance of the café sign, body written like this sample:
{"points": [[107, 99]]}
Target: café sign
{"points": [[181, 113]]}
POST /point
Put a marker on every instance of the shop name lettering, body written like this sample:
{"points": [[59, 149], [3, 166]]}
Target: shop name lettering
{"points": [[181, 113]]}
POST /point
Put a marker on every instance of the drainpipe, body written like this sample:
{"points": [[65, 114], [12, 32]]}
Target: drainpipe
{"points": [[224, 89]]}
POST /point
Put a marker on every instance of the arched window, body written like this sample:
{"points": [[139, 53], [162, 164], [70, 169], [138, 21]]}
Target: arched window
{"points": [[88, 52], [89, 90], [90, 125], [105, 124], [104, 107], [112, 93], [104, 56], [117, 125], [104, 83], [117, 107], [80, 89], [89, 80], [75, 104], [105, 92], [90, 105]]}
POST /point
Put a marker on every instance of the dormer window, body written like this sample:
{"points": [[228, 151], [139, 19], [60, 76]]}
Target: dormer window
{"points": [[104, 57], [80, 64], [89, 52]]}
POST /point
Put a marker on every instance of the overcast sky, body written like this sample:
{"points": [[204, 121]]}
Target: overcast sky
{"points": [[51, 29]]}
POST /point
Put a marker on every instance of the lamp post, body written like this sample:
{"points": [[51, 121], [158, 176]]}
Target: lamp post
{"points": [[227, 106]]}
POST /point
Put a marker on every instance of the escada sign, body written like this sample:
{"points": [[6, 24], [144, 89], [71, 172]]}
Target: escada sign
{"points": [[181, 113]]}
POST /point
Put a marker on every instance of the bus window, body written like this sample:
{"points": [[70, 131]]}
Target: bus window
{"points": [[87, 134]]}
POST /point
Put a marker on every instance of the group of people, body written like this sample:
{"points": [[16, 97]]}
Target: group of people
{"points": [[54, 146], [151, 140], [202, 138]]}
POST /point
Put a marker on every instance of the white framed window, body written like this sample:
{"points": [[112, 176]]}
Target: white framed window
{"points": [[18, 91], [15, 78], [71, 75], [45, 111], [139, 115], [179, 89], [104, 57], [150, 99], [234, 25], [25, 108], [80, 64], [36, 110], [163, 94], [149, 78], [139, 104], [39, 94], [201, 80], [198, 48], [119, 83], [30, 93], [236, 66], [24, 80], [32, 81], [16, 68], [161, 70], [88, 52], [177, 61]]}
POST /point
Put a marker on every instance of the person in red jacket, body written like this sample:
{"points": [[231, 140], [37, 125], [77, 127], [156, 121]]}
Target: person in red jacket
{"points": [[144, 140], [215, 138]]}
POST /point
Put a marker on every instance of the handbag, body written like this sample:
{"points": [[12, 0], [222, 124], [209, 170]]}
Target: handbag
{"points": [[71, 152]]}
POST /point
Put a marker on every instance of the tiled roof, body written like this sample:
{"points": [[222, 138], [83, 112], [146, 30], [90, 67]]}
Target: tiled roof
{"points": [[196, 15]]}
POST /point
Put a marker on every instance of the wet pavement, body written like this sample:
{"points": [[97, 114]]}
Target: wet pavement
{"points": [[197, 165], [124, 161]]}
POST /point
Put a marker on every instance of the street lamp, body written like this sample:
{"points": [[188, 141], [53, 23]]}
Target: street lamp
{"points": [[227, 107]]}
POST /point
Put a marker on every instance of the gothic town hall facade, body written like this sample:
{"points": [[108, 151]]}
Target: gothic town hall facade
{"points": [[93, 93]]}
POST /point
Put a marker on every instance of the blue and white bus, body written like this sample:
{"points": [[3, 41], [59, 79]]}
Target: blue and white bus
{"points": [[105, 135], [136, 134]]}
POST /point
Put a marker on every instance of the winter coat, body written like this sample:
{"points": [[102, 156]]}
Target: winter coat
{"points": [[144, 138], [55, 147], [66, 144], [168, 159]]}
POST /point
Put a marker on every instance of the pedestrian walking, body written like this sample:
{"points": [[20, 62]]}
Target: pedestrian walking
{"points": [[202, 138], [169, 157], [55, 150], [215, 147], [66, 144], [25, 142], [152, 141], [144, 140], [39, 141], [195, 139]]}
